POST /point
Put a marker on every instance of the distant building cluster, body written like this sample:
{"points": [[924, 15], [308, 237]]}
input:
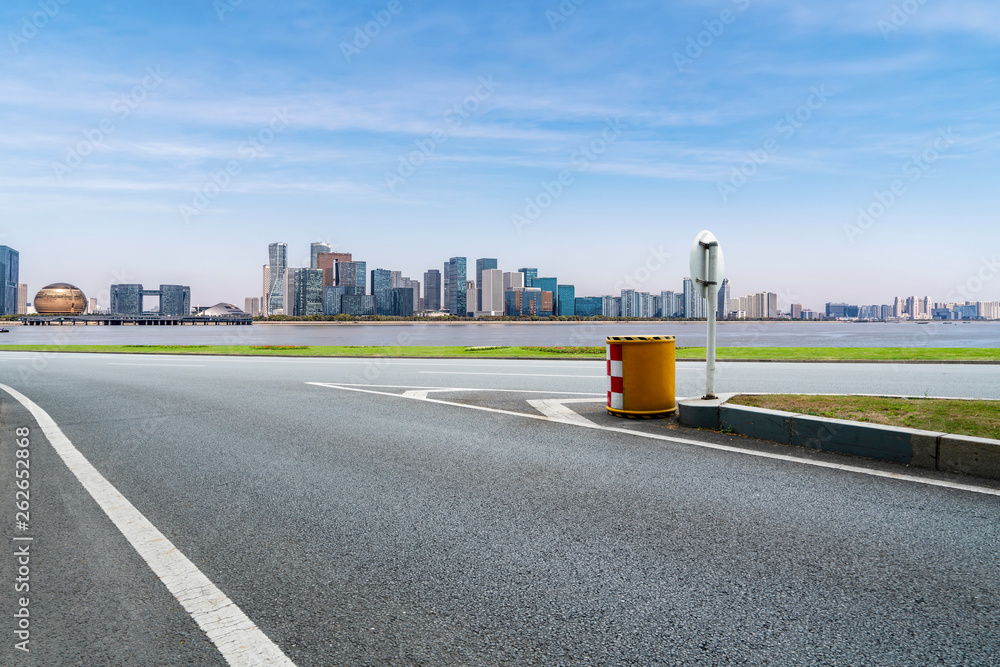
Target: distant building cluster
{"points": [[915, 308], [337, 283]]}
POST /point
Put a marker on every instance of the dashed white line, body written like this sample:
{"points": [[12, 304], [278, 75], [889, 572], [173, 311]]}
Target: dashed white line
{"points": [[240, 641]]}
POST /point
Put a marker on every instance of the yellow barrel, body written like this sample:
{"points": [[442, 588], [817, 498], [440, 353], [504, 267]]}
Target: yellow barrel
{"points": [[642, 376]]}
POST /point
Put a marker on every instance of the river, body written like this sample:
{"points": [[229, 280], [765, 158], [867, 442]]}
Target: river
{"points": [[689, 334]]}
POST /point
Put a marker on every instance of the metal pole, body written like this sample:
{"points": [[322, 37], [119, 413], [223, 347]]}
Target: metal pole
{"points": [[713, 297]]}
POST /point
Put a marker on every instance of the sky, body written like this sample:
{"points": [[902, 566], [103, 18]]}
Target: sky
{"points": [[841, 151]]}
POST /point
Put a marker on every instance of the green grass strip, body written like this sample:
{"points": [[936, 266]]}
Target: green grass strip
{"points": [[976, 418], [500, 352]]}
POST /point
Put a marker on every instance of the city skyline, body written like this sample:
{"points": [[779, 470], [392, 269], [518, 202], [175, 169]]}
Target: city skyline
{"points": [[839, 153], [277, 256]]}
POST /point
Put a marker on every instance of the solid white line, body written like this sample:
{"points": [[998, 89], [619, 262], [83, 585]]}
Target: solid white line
{"points": [[240, 641], [706, 445], [410, 386], [530, 375], [159, 365]]}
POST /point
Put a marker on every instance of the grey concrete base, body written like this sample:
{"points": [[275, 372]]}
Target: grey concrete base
{"points": [[974, 456], [768, 424], [924, 449], [700, 412]]}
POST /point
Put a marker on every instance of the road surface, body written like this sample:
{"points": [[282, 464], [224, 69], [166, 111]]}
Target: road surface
{"points": [[424, 512]]}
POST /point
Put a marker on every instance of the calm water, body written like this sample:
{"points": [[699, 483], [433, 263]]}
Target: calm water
{"points": [[753, 334]]}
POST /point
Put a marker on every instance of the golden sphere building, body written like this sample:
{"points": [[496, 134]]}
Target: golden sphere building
{"points": [[60, 299]]}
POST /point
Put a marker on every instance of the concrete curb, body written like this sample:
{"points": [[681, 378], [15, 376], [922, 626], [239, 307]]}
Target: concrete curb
{"points": [[923, 449]]}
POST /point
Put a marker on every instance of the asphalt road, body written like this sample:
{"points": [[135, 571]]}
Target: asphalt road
{"points": [[358, 516]]}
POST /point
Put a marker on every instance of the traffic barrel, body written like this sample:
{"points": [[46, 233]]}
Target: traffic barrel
{"points": [[642, 376]]}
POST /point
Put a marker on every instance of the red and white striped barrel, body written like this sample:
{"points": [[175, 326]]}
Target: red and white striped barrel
{"points": [[616, 397]]}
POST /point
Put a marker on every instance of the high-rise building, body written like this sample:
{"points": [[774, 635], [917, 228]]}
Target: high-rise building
{"points": [[512, 280], [175, 300], [360, 305], [251, 306], [314, 250], [327, 261], [796, 311], [398, 302], [274, 300], [9, 275], [302, 295], [483, 264], [381, 284], [630, 303], [759, 306], [588, 306], [529, 276], [470, 296], [414, 285], [126, 299], [432, 290], [673, 303], [352, 274], [840, 310], [22, 299], [695, 305], [333, 303], [722, 311], [490, 292], [566, 300], [612, 306], [92, 305], [456, 294], [520, 301], [550, 285]]}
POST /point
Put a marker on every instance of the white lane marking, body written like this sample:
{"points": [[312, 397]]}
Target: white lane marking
{"points": [[516, 391], [705, 445], [530, 375], [556, 410], [240, 641], [112, 363]]}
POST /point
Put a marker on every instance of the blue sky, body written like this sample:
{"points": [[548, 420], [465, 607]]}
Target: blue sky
{"points": [[170, 142]]}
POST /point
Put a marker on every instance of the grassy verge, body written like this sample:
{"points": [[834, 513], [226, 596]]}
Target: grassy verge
{"points": [[500, 352], [976, 418], [847, 353]]}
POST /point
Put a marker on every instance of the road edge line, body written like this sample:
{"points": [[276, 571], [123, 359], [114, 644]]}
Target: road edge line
{"points": [[239, 640]]}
